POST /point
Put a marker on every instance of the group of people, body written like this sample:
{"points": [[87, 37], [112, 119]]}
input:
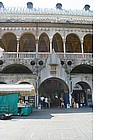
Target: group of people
{"points": [[45, 102]]}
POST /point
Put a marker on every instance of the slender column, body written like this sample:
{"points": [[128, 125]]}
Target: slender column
{"points": [[64, 46], [36, 48], [17, 47], [82, 47], [50, 44], [64, 42]]}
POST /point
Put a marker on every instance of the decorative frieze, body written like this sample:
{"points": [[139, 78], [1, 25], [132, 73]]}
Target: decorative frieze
{"points": [[21, 14]]}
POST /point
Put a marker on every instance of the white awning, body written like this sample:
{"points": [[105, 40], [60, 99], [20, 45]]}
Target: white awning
{"points": [[16, 87], [22, 89]]}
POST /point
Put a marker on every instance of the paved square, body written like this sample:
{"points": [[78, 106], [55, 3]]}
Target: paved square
{"points": [[50, 124]]}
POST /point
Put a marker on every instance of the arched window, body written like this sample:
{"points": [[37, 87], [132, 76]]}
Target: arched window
{"points": [[27, 43], [73, 43], [57, 43], [9, 42], [88, 43], [44, 43]]}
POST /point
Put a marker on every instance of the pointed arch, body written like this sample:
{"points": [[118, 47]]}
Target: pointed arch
{"points": [[27, 43], [88, 43], [57, 43], [44, 43], [9, 42], [73, 43]]}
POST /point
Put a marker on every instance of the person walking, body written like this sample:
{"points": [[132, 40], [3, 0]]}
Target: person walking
{"points": [[46, 101], [49, 102], [42, 99], [61, 102]]}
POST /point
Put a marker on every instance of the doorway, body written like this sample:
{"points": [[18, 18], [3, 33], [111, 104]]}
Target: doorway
{"points": [[54, 89], [82, 94]]}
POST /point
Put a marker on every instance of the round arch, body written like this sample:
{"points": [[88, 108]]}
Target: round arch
{"points": [[73, 43], [54, 88], [27, 43], [82, 94], [88, 43], [3, 83], [16, 69], [44, 43], [9, 42], [24, 83], [2, 45], [57, 43], [83, 68]]}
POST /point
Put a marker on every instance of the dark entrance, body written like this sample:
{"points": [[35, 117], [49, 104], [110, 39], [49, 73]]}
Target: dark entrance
{"points": [[82, 94], [80, 97], [53, 88]]}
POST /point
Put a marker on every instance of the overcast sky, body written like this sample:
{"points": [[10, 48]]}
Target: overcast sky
{"points": [[66, 4]]}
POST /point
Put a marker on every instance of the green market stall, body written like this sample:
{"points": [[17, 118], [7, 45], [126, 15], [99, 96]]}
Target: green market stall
{"points": [[10, 95]]}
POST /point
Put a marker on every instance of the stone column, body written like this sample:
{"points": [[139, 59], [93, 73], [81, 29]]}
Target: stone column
{"points": [[50, 44], [37, 48], [17, 47], [82, 47], [64, 46]]}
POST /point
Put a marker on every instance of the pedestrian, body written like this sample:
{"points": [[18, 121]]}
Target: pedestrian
{"points": [[46, 101], [41, 99], [61, 102], [49, 102], [44, 104]]}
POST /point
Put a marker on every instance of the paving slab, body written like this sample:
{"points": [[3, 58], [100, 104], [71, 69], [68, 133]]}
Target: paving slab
{"points": [[50, 124]]}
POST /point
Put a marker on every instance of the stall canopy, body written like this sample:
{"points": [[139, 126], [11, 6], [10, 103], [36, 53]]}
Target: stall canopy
{"points": [[26, 89]]}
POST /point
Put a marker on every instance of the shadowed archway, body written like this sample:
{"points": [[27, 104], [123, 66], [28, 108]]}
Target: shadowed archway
{"points": [[54, 88], [16, 69]]}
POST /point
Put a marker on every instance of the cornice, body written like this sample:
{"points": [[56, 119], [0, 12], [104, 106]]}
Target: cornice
{"points": [[22, 14]]}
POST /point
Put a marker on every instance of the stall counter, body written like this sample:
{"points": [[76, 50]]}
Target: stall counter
{"points": [[26, 110]]}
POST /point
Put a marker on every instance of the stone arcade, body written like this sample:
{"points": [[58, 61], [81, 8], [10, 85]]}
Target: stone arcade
{"points": [[51, 49]]}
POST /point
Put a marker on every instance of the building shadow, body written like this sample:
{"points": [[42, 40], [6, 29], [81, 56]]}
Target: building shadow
{"points": [[49, 113]]}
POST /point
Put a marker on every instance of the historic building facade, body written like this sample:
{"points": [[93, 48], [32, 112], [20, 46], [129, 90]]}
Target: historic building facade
{"points": [[51, 49]]}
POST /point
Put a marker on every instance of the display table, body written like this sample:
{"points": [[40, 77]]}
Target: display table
{"points": [[26, 110]]}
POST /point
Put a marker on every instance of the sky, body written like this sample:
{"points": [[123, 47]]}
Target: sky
{"points": [[66, 4]]}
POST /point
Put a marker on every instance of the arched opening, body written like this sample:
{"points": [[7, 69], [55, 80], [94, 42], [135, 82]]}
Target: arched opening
{"points": [[9, 42], [16, 69], [88, 43], [73, 44], [84, 68], [3, 83], [27, 43], [24, 83], [57, 43], [82, 94], [44, 43], [54, 88], [2, 45]]}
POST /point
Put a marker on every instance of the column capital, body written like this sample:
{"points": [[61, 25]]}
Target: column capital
{"points": [[50, 38], [82, 40], [64, 39], [18, 38]]}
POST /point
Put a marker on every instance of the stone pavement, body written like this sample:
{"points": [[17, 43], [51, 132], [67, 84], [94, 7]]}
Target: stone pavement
{"points": [[50, 124]]}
